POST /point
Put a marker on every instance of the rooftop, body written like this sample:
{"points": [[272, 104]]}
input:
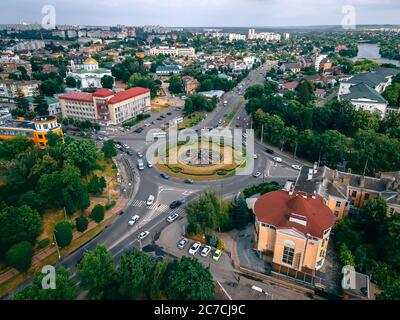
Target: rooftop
{"points": [[361, 91], [373, 78]]}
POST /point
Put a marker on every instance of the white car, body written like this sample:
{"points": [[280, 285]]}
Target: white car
{"points": [[133, 220], [244, 135], [256, 174], [149, 164], [182, 243], [296, 167], [139, 155], [277, 159], [126, 146], [255, 156], [206, 250], [172, 217], [143, 235], [147, 124], [194, 248], [150, 200]]}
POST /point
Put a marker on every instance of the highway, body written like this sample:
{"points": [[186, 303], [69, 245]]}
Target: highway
{"points": [[119, 236]]}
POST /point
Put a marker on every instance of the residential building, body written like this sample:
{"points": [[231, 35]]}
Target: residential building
{"points": [[105, 106], [345, 193], [289, 85], [167, 70], [11, 64], [292, 230], [173, 51], [190, 84], [318, 59], [36, 129], [29, 45], [9, 89], [90, 74], [293, 67], [53, 103]]}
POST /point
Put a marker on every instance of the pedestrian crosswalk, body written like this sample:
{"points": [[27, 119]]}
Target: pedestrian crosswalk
{"points": [[157, 207]]}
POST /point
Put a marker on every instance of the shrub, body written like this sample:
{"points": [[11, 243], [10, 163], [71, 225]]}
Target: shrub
{"points": [[81, 223], [63, 233], [221, 244], [213, 241], [110, 204], [19, 256], [176, 169], [221, 172], [43, 243], [97, 214]]}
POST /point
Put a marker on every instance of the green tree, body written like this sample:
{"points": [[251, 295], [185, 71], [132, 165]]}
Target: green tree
{"points": [[188, 279], [97, 213], [239, 213], [107, 82], [21, 102], [97, 273], [158, 280], [97, 184], [63, 233], [345, 256], [17, 225], [70, 82], [40, 104], [109, 149], [19, 256], [81, 223], [135, 274], [305, 92], [83, 153], [392, 94], [65, 288], [175, 84], [10, 149]]}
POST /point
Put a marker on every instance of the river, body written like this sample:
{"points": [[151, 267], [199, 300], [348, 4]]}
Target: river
{"points": [[371, 51]]}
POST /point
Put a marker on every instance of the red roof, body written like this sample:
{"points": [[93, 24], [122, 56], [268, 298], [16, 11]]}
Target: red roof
{"points": [[103, 93], [78, 96], [127, 94], [290, 85], [276, 208]]}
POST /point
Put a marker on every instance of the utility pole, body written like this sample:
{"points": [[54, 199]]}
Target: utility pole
{"points": [[295, 150], [65, 213], [366, 165]]}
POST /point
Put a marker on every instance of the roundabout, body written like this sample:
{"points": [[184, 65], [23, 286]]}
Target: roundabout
{"points": [[199, 161]]}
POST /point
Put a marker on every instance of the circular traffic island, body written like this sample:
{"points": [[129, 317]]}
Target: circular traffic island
{"points": [[199, 161]]}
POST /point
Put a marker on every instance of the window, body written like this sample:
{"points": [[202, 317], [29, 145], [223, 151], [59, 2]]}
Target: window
{"points": [[338, 203], [288, 254], [354, 194], [366, 196], [336, 213]]}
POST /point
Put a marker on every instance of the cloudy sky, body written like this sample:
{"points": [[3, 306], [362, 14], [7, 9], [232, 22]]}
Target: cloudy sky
{"points": [[234, 13]]}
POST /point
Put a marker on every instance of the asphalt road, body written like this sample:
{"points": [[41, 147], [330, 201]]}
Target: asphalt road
{"points": [[119, 237]]}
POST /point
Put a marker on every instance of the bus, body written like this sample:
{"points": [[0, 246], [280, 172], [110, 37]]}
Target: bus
{"points": [[140, 164]]}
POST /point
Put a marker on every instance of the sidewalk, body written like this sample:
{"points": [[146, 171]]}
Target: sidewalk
{"points": [[43, 254]]}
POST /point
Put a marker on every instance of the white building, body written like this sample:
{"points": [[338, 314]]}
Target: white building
{"points": [[90, 75], [172, 51]]}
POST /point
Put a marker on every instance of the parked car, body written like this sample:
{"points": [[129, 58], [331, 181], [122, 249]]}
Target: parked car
{"points": [[149, 164], [255, 156], [139, 154], [256, 174], [172, 217], [164, 175], [217, 255], [143, 235], [133, 220], [206, 250], [175, 204], [269, 151], [194, 248], [182, 243], [150, 200], [296, 167], [277, 159], [189, 181]]}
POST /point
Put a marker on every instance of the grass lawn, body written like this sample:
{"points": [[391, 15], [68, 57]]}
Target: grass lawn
{"points": [[230, 116], [191, 120]]}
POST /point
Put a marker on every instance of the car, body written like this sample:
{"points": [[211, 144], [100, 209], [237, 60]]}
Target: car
{"points": [[149, 164], [147, 124], [126, 146], [139, 130], [256, 174], [117, 146], [129, 152], [143, 235], [182, 243], [277, 159], [150, 200], [220, 121], [164, 175], [269, 151], [238, 118], [175, 204], [162, 117], [169, 114], [244, 135], [296, 167], [189, 181], [172, 217], [159, 119], [133, 220], [206, 250], [255, 156], [139, 155], [217, 255], [194, 248]]}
